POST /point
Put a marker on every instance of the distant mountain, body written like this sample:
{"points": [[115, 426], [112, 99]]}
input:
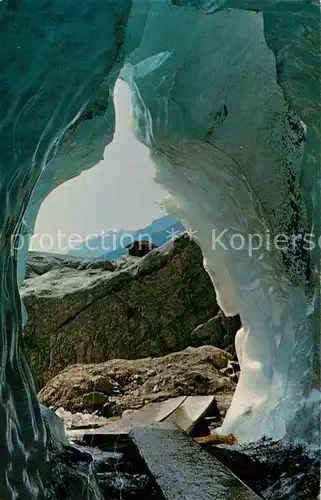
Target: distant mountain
{"points": [[112, 245]]}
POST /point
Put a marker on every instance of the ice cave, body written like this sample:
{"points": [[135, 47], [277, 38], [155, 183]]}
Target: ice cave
{"points": [[226, 96]]}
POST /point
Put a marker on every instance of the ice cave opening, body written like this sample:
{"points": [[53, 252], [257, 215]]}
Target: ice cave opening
{"points": [[227, 101], [94, 213]]}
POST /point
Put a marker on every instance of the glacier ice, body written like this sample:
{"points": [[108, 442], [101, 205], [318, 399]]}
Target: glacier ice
{"points": [[239, 155], [226, 97], [57, 74]]}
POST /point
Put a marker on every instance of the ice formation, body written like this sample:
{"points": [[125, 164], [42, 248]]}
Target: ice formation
{"points": [[239, 158], [226, 96]]}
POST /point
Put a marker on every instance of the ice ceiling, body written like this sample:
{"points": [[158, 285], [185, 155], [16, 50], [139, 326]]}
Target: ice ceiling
{"points": [[226, 97]]}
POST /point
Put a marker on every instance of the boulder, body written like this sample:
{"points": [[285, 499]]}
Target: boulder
{"points": [[210, 332], [191, 372], [219, 331], [93, 400], [79, 313]]}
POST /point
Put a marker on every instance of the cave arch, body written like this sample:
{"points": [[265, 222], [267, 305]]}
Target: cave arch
{"points": [[57, 117]]}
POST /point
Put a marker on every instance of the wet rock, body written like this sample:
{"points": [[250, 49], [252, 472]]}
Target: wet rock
{"points": [[70, 473], [110, 461], [120, 469], [130, 486], [78, 471], [275, 470]]}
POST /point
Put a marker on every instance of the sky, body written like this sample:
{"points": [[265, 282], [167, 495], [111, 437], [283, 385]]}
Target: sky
{"points": [[118, 193]]}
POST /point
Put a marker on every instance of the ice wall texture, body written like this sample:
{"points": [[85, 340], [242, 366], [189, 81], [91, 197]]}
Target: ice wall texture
{"points": [[231, 127], [228, 104], [58, 62]]}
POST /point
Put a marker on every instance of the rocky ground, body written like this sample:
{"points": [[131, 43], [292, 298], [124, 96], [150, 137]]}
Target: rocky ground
{"points": [[90, 396], [112, 387]]}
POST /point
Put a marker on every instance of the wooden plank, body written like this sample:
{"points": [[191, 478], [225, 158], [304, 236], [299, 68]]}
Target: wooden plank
{"points": [[188, 414], [154, 412], [183, 470]]}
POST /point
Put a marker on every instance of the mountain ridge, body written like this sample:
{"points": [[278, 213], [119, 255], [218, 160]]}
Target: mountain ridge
{"points": [[158, 232]]}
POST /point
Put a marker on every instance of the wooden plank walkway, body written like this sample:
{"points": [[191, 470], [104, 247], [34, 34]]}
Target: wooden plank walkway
{"points": [[183, 470]]}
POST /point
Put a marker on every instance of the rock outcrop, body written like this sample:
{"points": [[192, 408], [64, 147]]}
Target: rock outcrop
{"points": [[39, 263], [90, 312], [118, 385]]}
